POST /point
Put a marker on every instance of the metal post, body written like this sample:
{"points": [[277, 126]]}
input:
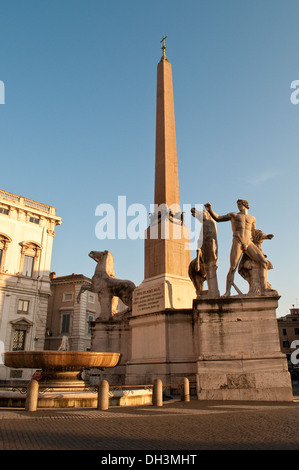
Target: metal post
{"points": [[158, 393], [32, 395], [103, 395]]}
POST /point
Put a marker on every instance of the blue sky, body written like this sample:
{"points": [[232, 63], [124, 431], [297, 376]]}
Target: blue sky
{"points": [[78, 124]]}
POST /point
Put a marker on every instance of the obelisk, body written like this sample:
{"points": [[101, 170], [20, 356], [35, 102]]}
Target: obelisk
{"points": [[161, 326], [166, 169], [167, 242]]}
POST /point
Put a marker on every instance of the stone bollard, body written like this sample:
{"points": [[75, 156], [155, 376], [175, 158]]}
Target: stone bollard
{"points": [[32, 395], [185, 393], [103, 395], [158, 393]]}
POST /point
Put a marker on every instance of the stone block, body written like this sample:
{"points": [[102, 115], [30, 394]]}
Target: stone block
{"points": [[239, 350], [240, 381]]}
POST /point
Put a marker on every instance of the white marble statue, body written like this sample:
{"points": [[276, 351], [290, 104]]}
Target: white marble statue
{"points": [[243, 228], [204, 266], [64, 344], [107, 286], [250, 269]]}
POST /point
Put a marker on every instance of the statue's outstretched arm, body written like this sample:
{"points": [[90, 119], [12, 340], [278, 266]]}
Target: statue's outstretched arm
{"points": [[218, 218]]}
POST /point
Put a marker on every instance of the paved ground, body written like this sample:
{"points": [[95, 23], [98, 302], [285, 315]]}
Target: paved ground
{"points": [[176, 426]]}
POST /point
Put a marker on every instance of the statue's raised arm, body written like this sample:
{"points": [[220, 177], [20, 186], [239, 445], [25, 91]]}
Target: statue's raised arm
{"points": [[218, 218]]}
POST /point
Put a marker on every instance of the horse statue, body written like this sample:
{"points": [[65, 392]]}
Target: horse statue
{"points": [[204, 266], [250, 269], [107, 286], [197, 273]]}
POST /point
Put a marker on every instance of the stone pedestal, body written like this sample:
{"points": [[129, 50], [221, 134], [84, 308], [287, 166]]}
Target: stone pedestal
{"points": [[111, 335], [164, 346], [163, 292], [163, 341], [239, 350]]}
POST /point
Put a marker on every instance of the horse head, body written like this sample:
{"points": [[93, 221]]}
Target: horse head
{"points": [[105, 261]]}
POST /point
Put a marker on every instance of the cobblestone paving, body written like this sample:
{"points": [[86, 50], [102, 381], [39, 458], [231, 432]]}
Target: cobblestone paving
{"points": [[175, 426]]}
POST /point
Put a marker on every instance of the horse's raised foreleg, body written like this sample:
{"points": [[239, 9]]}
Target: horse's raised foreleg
{"points": [[83, 289]]}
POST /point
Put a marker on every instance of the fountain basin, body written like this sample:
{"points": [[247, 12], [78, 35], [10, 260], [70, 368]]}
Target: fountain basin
{"points": [[58, 373], [60, 360]]}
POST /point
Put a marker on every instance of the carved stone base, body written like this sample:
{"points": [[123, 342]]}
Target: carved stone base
{"points": [[163, 292], [111, 335], [239, 350], [164, 347]]}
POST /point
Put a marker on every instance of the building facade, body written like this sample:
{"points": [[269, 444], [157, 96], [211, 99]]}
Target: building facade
{"points": [[27, 230], [68, 317], [288, 327]]}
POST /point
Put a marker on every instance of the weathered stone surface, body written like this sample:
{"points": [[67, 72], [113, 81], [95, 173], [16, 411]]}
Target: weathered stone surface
{"points": [[239, 350]]}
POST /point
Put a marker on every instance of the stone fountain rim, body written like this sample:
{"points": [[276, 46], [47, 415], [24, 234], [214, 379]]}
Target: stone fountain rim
{"points": [[38, 359], [47, 351]]}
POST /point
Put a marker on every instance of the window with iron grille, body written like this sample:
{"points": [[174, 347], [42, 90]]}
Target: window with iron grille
{"points": [[19, 340]]}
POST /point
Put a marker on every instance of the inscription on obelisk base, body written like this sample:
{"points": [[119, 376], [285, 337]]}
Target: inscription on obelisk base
{"points": [[162, 292], [148, 299]]}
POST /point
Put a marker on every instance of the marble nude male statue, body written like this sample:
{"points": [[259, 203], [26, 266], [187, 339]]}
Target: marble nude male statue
{"points": [[243, 227]]}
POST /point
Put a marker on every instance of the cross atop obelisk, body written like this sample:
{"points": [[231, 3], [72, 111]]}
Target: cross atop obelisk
{"points": [[163, 48]]}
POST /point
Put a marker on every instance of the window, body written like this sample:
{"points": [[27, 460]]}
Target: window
{"points": [[4, 242], [29, 258], [3, 210], [34, 220], [296, 331], [19, 340], [90, 319], [65, 323], [284, 331], [67, 297], [28, 266], [91, 298], [23, 306], [286, 344], [19, 330]]}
